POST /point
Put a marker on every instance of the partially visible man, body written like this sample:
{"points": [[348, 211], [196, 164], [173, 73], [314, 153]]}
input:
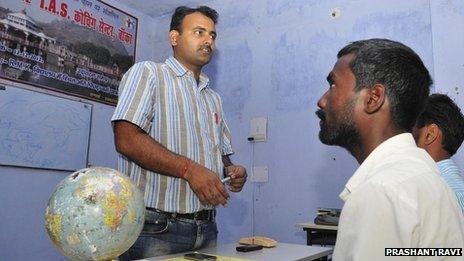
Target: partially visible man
{"points": [[173, 141], [440, 131], [396, 197]]}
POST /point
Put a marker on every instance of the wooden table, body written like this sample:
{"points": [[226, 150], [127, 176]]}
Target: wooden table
{"points": [[319, 234]]}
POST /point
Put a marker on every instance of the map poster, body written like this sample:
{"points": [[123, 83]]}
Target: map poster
{"points": [[77, 47]]}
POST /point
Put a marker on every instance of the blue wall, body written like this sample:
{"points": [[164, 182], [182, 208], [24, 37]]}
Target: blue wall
{"points": [[24, 192], [272, 59], [285, 50]]}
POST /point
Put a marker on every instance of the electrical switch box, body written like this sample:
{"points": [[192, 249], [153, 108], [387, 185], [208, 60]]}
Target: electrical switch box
{"points": [[258, 129]]}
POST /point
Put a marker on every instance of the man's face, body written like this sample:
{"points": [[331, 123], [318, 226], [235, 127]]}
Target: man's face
{"points": [[195, 43], [337, 107]]}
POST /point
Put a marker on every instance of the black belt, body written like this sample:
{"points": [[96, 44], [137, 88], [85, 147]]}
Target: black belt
{"points": [[207, 214]]}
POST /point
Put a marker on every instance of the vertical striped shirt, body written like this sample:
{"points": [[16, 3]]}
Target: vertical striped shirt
{"points": [[451, 174], [165, 101]]}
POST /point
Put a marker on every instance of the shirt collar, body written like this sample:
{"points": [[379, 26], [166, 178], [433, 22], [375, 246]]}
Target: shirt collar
{"points": [[364, 172], [446, 165], [181, 71], [445, 162]]}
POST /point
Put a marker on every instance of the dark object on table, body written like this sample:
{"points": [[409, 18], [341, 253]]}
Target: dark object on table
{"points": [[199, 256], [248, 248], [327, 216]]}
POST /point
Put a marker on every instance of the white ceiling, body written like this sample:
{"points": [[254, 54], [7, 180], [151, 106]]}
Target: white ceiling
{"points": [[155, 8]]}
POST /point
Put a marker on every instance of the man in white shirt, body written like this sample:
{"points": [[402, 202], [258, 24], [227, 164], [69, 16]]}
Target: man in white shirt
{"points": [[396, 198]]}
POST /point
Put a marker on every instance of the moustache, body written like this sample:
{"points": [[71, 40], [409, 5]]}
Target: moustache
{"points": [[206, 47], [321, 114]]}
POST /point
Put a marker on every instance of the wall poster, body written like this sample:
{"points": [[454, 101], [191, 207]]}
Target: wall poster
{"points": [[78, 47]]}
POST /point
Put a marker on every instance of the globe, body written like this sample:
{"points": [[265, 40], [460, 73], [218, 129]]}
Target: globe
{"points": [[94, 214]]}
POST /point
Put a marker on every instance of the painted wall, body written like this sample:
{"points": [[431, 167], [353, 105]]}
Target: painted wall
{"points": [[24, 192], [272, 59], [448, 54], [274, 63]]}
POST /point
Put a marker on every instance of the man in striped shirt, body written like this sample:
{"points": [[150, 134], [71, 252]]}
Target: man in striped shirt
{"points": [[173, 140], [440, 131]]}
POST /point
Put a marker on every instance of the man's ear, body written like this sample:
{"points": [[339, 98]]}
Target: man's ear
{"points": [[432, 133], [374, 98], [173, 34]]}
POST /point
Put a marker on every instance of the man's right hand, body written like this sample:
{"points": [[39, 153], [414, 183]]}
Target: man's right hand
{"points": [[137, 145], [206, 185]]}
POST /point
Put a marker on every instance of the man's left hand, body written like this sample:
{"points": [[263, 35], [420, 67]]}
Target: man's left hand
{"points": [[237, 176]]}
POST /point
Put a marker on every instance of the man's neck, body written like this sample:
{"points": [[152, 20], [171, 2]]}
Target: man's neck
{"points": [[196, 70], [372, 138], [439, 155]]}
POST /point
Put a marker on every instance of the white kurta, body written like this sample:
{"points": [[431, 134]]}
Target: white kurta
{"points": [[397, 198]]}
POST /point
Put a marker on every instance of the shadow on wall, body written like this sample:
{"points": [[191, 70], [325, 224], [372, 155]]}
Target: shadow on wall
{"points": [[211, 69]]}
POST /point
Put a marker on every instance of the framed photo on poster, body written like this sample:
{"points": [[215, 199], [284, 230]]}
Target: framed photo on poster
{"points": [[77, 47]]}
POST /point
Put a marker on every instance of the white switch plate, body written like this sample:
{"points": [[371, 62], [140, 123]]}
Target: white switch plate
{"points": [[260, 174], [258, 128]]}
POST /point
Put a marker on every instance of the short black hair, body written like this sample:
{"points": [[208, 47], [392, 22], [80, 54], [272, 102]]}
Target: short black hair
{"points": [[399, 69], [182, 11], [442, 111]]}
